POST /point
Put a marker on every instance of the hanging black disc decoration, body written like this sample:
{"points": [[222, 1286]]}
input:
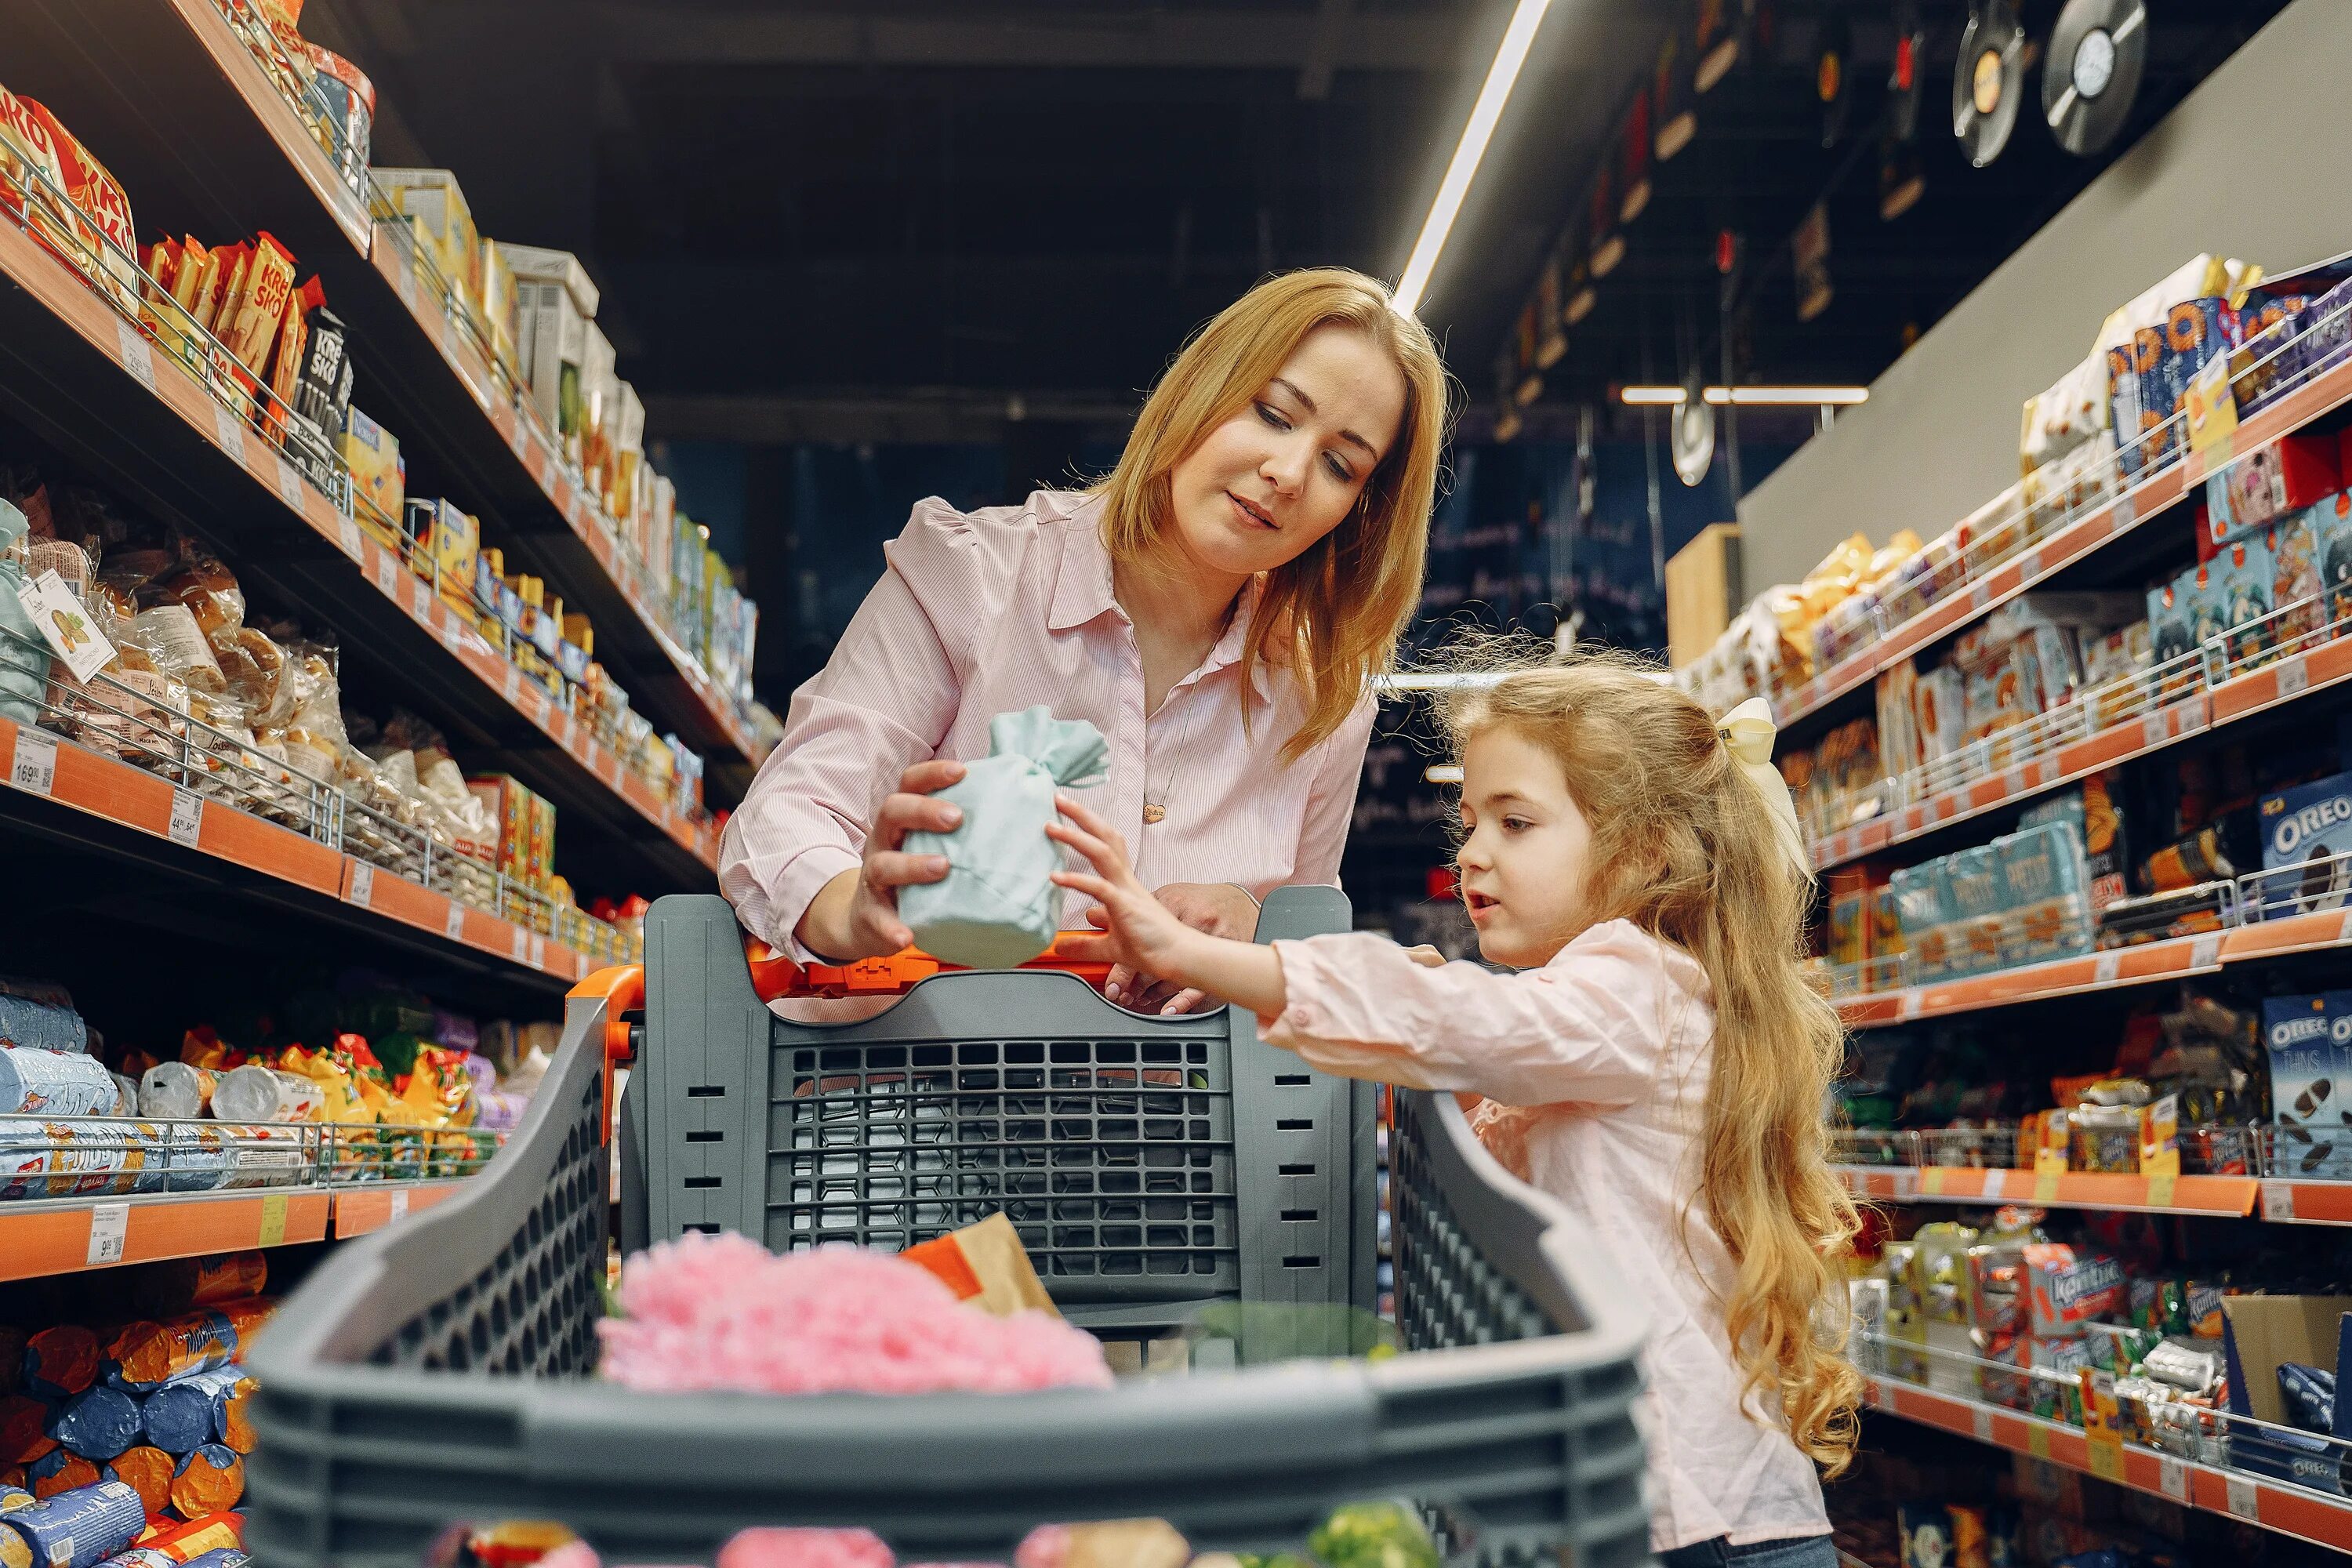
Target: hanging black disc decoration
{"points": [[2096, 54], [1988, 79]]}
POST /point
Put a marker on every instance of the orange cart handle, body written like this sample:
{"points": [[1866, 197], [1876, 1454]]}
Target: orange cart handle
{"points": [[775, 977]]}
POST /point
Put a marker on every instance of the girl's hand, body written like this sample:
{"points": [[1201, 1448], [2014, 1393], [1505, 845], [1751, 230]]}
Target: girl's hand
{"points": [[857, 914], [1220, 908], [1141, 934]]}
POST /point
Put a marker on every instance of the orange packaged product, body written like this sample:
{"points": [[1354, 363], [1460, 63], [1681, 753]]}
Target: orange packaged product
{"points": [[269, 285], [61, 1361], [109, 237], [22, 1435], [149, 1354], [147, 1471], [32, 177], [62, 1472], [184, 1542], [210, 1479]]}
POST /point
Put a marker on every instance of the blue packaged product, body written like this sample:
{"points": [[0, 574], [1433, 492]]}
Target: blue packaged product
{"points": [[1922, 896], [2172, 619], [79, 1158], [2308, 1397], [2309, 1039], [99, 1423], [191, 1410], [81, 1527], [33, 1012], [2243, 586], [2309, 827], [36, 1082], [2330, 522], [219, 1557], [2046, 881], [1980, 908]]}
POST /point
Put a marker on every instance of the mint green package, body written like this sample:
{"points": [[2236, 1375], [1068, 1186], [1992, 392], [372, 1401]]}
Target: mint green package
{"points": [[998, 906], [24, 656]]}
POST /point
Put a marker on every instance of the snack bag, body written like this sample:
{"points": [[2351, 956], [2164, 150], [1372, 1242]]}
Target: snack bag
{"points": [[997, 906]]}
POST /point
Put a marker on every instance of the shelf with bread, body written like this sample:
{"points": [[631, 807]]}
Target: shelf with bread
{"points": [[292, 515], [2118, 442], [285, 144]]}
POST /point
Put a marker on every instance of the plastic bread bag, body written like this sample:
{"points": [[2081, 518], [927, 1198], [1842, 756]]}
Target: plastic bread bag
{"points": [[998, 906], [23, 658], [205, 584], [255, 669], [169, 635]]}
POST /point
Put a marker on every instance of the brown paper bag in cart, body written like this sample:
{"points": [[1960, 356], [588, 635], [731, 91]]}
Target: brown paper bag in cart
{"points": [[986, 1266]]}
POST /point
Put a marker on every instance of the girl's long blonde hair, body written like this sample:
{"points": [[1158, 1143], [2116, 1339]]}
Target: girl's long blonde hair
{"points": [[1683, 845], [1334, 612]]}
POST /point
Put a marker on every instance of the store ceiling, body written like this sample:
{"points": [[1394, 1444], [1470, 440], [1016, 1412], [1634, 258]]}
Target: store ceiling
{"points": [[891, 220]]}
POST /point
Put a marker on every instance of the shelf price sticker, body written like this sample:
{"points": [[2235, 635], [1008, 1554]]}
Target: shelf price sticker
{"points": [[453, 924], [187, 817], [421, 595], [2037, 1439], [537, 951], [347, 534], [2294, 678], [2161, 1189], [521, 948], [2106, 967], [1981, 1422], [2172, 1477], [2206, 951], [1931, 1181], [2278, 1201], [363, 884], [289, 486], [2103, 1434], [273, 1221], [400, 1203], [110, 1225], [136, 356], [387, 575], [35, 766], [228, 430], [1995, 1181], [2244, 1497]]}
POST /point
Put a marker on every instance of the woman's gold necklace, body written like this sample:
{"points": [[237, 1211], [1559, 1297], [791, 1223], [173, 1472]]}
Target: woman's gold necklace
{"points": [[1156, 811]]}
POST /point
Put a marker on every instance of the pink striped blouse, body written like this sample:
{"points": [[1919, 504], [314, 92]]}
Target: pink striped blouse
{"points": [[992, 610]]}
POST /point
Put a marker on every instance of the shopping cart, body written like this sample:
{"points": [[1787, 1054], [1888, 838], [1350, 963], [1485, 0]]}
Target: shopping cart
{"points": [[1165, 1173]]}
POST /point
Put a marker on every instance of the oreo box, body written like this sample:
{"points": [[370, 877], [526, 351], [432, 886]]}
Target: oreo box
{"points": [[2309, 1039], [2309, 827]]}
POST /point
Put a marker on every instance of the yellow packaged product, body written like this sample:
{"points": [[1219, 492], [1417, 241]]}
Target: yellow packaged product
{"points": [[379, 476]]}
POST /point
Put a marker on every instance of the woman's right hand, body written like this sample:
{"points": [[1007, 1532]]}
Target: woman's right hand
{"points": [[856, 915]]}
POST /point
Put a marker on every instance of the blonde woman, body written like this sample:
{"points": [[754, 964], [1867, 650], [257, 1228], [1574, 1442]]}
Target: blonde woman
{"points": [[1215, 606], [1657, 1064]]}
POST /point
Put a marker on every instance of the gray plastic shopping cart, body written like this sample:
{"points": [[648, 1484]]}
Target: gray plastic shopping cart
{"points": [[1170, 1177]]}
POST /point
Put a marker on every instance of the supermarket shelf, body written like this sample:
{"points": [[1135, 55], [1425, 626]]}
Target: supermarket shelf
{"points": [[64, 1236], [83, 375], [60, 790], [2275, 1505], [193, 128], [2074, 542], [2116, 967], [361, 1210], [2227, 1197]]}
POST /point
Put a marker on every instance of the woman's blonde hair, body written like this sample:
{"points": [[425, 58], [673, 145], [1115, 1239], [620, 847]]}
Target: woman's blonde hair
{"points": [[1334, 612], [1684, 847]]}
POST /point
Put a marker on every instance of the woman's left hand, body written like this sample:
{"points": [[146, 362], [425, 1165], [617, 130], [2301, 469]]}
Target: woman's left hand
{"points": [[1220, 908]]}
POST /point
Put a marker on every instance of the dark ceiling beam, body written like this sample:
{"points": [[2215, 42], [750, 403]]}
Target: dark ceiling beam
{"points": [[1228, 39], [1323, 50], [948, 415]]}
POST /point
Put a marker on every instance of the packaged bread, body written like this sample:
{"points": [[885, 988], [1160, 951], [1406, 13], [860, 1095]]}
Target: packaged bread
{"points": [[170, 635], [32, 179], [204, 583], [256, 670]]}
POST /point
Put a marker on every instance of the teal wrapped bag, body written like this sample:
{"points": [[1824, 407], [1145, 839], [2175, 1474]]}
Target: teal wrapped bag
{"points": [[998, 906], [24, 656]]}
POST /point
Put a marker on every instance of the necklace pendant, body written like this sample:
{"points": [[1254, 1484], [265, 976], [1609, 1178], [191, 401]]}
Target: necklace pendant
{"points": [[1153, 813]]}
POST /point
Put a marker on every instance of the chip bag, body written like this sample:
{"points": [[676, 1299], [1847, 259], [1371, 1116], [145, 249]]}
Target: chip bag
{"points": [[997, 906]]}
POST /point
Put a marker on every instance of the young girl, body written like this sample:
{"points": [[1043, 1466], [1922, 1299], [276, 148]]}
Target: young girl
{"points": [[1658, 1063]]}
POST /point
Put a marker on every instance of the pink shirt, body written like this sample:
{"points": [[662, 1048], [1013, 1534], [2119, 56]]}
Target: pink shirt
{"points": [[1608, 1047], [994, 611]]}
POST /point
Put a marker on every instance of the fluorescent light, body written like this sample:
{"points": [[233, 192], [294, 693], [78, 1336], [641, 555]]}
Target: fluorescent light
{"points": [[1441, 773], [1746, 396], [1513, 53]]}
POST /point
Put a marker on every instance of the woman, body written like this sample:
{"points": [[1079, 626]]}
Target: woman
{"points": [[1215, 606]]}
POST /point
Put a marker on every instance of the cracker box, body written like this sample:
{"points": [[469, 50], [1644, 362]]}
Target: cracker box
{"points": [[379, 476], [1922, 896], [1886, 924], [2066, 1289], [436, 209], [457, 543], [1940, 716], [2044, 878], [554, 300], [509, 805], [2295, 580], [2309, 826], [2309, 1040], [541, 863], [1980, 908], [2269, 483]]}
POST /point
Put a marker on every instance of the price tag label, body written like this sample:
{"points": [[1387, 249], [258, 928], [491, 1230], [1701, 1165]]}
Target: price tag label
{"points": [[513, 686], [1931, 1181], [273, 1220], [289, 485], [453, 635], [2172, 1477], [363, 884], [453, 924], [35, 769], [1981, 1422], [2106, 967], [228, 430], [1907, 1008], [387, 574], [400, 1203], [519, 438], [2045, 1186], [2012, 783], [2161, 1189], [421, 595], [538, 951], [136, 356], [403, 284], [2206, 951], [2037, 1439], [521, 945], [2123, 514], [1980, 595], [2245, 1498], [2154, 731], [2030, 566], [109, 1224], [571, 732], [2278, 1201], [2294, 678], [187, 817], [1996, 1182], [347, 534]]}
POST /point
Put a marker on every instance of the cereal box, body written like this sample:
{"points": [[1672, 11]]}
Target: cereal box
{"points": [[379, 476]]}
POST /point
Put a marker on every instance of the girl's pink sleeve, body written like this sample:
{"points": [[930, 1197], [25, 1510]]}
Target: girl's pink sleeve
{"points": [[1589, 1027], [1331, 803], [882, 702]]}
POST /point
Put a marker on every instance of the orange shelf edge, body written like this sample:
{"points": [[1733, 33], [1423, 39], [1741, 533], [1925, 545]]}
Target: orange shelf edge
{"points": [[42, 1241], [361, 1209]]}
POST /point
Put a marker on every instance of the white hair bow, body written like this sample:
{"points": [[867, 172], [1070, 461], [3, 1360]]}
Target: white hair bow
{"points": [[1747, 731]]}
